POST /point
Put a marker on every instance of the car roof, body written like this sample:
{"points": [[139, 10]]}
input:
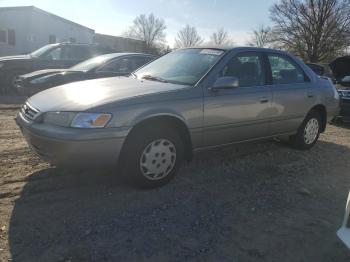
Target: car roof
{"points": [[114, 55], [240, 48]]}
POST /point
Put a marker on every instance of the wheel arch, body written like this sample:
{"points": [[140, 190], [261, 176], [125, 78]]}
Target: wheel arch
{"points": [[165, 120], [321, 109]]}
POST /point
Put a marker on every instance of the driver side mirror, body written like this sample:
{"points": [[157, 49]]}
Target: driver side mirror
{"points": [[226, 82]]}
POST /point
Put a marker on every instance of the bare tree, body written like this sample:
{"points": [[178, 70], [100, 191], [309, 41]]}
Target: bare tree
{"points": [[149, 29], [220, 38], [187, 37], [260, 37], [315, 30]]}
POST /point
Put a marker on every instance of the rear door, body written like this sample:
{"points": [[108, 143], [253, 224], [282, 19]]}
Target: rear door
{"points": [[240, 113], [292, 93]]}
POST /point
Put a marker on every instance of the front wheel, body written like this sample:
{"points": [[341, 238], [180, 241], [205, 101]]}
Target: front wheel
{"points": [[152, 157], [308, 132]]}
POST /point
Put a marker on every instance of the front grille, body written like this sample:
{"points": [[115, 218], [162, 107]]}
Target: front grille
{"points": [[29, 112]]}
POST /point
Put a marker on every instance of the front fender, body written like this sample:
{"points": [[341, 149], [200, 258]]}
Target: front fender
{"points": [[162, 112]]}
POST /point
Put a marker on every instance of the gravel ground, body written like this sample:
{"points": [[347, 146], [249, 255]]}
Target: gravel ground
{"points": [[249, 202]]}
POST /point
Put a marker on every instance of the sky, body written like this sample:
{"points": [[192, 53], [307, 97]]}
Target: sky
{"points": [[238, 17]]}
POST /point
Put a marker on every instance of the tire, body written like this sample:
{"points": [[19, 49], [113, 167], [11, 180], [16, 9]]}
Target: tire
{"points": [[308, 132], [152, 157]]}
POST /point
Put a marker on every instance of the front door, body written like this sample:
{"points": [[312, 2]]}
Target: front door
{"points": [[240, 113]]}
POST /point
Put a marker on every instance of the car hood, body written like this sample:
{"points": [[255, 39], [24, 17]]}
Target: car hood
{"points": [[341, 67], [45, 72], [81, 96], [17, 57]]}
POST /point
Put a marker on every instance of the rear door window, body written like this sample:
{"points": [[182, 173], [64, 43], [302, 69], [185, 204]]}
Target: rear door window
{"points": [[285, 71]]}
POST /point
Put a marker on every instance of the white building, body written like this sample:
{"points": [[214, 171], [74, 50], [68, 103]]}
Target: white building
{"points": [[27, 28]]}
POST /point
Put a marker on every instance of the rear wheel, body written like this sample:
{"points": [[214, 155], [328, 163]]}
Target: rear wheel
{"points": [[308, 132], [152, 157]]}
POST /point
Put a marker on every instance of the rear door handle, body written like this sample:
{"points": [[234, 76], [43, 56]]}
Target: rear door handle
{"points": [[264, 100]]}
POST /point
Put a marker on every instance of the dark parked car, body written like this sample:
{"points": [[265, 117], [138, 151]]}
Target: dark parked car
{"points": [[341, 71], [61, 55], [344, 93], [341, 68], [109, 65]]}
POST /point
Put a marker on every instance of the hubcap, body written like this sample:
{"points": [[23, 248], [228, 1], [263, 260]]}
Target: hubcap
{"points": [[158, 159], [311, 131]]}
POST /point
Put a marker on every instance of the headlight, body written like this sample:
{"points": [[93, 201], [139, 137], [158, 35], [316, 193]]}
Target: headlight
{"points": [[91, 120], [79, 120], [40, 80], [59, 118]]}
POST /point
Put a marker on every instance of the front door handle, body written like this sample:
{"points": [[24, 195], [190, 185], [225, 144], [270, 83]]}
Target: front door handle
{"points": [[264, 100]]}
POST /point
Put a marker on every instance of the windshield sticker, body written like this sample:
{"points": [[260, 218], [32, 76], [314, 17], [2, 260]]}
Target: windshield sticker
{"points": [[211, 52]]}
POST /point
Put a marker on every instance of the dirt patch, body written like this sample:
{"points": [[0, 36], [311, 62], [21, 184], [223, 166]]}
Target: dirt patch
{"points": [[249, 202]]}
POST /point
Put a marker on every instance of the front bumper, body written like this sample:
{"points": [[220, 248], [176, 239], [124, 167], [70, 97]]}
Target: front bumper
{"points": [[73, 147], [344, 232]]}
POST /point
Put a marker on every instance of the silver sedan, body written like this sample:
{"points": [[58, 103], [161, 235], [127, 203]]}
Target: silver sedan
{"points": [[186, 101]]}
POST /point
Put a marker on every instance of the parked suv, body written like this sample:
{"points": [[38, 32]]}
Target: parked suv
{"points": [[61, 55], [188, 100]]}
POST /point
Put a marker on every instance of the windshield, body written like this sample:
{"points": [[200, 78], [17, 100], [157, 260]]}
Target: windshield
{"points": [[91, 63], [41, 51], [185, 66]]}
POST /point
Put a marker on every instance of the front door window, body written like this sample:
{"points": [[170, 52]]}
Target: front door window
{"points": [[247, 68]]}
